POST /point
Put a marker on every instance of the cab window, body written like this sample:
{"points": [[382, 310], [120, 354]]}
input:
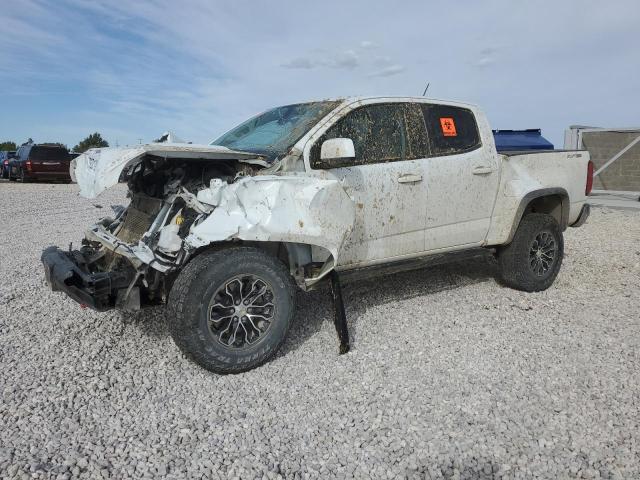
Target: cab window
{"points": [[452, 130], [378, 133]]}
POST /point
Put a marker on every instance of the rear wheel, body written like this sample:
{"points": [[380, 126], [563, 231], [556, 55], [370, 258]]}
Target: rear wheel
{"points": [[230, 310], [532, 260]]}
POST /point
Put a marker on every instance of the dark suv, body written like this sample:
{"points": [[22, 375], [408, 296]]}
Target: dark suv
{"points": [[40, 162], [5, 156]]}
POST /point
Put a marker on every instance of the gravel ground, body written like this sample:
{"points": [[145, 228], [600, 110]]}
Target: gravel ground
{"points": [[451, 375]]}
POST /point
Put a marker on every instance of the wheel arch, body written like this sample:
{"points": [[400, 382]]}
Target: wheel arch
{"points": [[552, 201], [295, 255]]}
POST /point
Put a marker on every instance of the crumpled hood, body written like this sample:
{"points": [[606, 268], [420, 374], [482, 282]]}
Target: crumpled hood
{"points": [[99, 168]]}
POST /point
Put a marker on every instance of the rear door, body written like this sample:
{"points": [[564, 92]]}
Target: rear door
{"points": [[462, 179], [384, 181]]}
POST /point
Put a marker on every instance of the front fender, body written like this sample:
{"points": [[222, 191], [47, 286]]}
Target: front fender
{"points": [[277, 208]]}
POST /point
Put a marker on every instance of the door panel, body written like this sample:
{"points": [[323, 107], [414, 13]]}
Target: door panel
{"points": [[385, 184], [462, 179], [389, 212], [459, 203]]}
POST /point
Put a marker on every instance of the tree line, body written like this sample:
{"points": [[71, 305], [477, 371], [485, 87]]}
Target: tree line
{"points": [[94, 140]]}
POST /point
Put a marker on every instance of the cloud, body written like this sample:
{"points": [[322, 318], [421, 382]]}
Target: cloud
{"points": [[366, 44], [382, 60], [389, 71], [484, 62], [347, 59], [487, 56], [300, 62]]}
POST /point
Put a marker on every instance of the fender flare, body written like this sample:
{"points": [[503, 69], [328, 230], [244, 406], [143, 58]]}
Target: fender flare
{"points": [[541, 193]]}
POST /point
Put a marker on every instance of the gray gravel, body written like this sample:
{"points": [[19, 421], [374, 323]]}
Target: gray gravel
{"points": [[451, 375]]}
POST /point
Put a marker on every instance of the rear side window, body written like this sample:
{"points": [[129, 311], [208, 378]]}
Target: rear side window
{"points": [[451, 129], [56, 154]]}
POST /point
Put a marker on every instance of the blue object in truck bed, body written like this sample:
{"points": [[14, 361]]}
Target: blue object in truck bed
{"points": [[515, 140]]}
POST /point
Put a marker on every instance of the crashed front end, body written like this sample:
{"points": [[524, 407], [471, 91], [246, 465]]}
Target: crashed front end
{"points": [[183, 202], [125, 260]]}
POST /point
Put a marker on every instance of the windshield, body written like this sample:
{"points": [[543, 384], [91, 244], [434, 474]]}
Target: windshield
{"points": [[275, 131]]}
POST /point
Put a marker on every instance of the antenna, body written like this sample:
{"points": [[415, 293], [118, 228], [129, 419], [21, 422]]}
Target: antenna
{"points": [[425, 90]]}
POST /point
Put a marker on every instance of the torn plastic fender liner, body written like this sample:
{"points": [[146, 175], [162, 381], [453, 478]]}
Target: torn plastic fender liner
{"points": [[99, 168], [277, 208]]}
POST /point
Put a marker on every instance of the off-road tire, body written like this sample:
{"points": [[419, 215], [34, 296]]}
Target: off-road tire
{"points": [[188, 308], [515, 260]]}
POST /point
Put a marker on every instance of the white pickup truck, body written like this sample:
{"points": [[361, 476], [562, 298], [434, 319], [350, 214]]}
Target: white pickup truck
{"points": [[223, 233]]}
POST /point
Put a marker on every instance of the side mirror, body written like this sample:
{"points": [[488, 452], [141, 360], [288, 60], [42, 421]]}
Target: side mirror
{"points": [[336, 149]]}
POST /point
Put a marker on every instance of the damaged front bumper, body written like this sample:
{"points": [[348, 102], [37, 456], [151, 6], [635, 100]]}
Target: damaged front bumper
{"points": [[64, 273]]}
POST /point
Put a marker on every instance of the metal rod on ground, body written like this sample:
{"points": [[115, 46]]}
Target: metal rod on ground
{"points": [[339, 317]]}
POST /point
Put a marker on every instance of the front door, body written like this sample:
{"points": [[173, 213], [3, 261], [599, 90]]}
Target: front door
{"points": [[385, 182]]}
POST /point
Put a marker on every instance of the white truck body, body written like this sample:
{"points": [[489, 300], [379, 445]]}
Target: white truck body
{"points": [[222, 233], [356, 216]]}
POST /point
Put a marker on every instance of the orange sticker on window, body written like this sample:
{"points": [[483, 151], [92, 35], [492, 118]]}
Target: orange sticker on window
{"points": [[448, 127]]}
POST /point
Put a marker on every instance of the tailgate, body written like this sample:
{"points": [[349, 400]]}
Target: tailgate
{"points": [[50, 166], [49, 160]]}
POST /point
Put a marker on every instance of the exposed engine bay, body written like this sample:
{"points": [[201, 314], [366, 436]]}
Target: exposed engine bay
{"points": [[144, 242]]}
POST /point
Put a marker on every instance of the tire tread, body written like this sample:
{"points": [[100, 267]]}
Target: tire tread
{"points": [[181, 303], [513, 258]]}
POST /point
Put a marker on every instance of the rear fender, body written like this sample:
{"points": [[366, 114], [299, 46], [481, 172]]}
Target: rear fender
{"points": [[536, 195]]}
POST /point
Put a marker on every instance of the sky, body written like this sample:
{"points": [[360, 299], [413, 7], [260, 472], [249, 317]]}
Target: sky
{"points": [[133, 70]]}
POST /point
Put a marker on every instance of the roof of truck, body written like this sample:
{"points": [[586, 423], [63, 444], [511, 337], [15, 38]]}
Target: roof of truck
{"points": [[361, 98]]}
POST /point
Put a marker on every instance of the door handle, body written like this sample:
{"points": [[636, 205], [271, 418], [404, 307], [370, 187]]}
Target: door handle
{"points": [[482, 170], [410, 178]]}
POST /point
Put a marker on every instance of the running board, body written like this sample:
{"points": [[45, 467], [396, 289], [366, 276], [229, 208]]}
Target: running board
{"points": [[363, 273]]}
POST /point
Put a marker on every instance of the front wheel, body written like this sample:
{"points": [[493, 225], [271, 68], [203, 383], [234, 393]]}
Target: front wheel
{"points": [[532, 260], [230, 310]]}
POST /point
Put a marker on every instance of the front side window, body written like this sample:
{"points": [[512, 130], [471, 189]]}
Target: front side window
{"points": [[452, 130], [378, 133], [275, 131]]}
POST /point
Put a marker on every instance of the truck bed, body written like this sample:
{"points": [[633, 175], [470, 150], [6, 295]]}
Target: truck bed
{"points": [[558, 172]]}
